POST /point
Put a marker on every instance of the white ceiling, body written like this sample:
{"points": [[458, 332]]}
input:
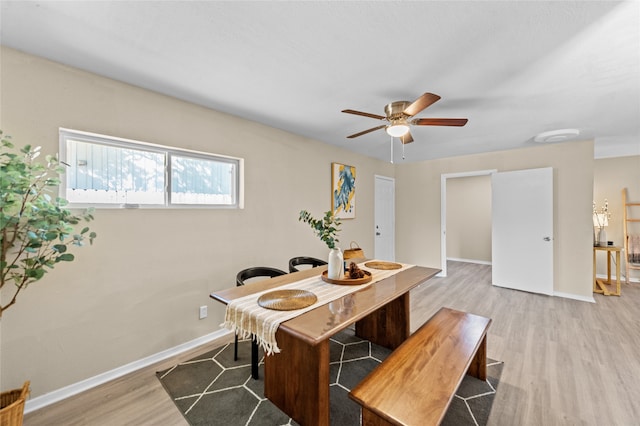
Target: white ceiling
{"points": [[513, 68]]}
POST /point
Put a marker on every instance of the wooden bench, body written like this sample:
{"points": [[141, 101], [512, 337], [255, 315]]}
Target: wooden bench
{"points": [[416, 383]]}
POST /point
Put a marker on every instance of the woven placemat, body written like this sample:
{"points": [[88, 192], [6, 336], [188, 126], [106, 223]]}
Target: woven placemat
{"points": [[287, 300], [383, 265]]}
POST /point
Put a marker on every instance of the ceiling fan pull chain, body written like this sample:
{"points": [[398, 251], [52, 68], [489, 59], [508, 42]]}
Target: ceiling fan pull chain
{"points": [[403, 151], [391, 145]]}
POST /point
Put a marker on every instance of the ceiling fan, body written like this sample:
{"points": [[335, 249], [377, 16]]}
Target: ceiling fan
{"points": [[399, 116]]}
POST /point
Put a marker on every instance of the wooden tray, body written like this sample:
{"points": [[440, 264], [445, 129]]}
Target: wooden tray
{"points": [[383, 265], [287, 300], [348, 281]]}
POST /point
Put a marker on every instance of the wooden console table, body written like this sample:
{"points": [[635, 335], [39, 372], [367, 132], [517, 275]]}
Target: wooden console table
{"points": [[600, 286]]}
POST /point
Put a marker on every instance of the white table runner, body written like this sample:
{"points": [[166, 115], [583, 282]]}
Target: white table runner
{"points": [[246, 318]]}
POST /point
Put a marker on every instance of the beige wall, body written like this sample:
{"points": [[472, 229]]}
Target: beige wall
{"points": [[469, 218], [611, 175], [137, 290], [418, 198]]}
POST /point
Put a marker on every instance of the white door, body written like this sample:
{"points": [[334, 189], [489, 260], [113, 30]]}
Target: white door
{"points": [[385, 219], [522, 230]]}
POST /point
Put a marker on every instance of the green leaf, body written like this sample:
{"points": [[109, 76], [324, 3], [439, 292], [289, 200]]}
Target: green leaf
{"points": [[50, 236], [67, 257], [60, 248]]}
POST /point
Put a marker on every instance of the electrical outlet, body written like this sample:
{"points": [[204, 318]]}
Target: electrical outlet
{"points": [[203, 312]]}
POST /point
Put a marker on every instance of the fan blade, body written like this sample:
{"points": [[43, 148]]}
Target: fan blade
{"points": [[439, 121], [406, 138], [365, 114], [366, 131], [421, 103]]}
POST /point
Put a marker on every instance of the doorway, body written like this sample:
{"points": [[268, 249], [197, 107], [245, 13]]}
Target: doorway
{"points": [[443, 211], [384, 218], [521, 228]]}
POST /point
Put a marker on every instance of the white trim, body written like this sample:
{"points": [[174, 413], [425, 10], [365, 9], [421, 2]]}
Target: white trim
{"points": [[479, 262], [443, 211], [574, 297], [622, 277], [75, 388], [100, 138]]}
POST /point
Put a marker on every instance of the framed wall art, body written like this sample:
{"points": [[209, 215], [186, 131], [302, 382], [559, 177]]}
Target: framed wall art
{"points": [[343, 191]]}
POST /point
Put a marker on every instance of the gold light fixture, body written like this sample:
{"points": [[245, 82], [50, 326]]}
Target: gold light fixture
{"points": [[398, 125]]}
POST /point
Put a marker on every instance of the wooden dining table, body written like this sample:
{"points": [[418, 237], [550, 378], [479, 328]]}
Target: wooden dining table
{"points": [[296, 379]]}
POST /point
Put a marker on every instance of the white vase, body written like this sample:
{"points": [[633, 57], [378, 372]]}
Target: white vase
{"points": [[335, 269], [602, 237]]}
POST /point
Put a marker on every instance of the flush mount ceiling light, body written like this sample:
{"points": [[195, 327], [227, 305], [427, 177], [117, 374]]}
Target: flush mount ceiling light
{"points": [[556, 135]]}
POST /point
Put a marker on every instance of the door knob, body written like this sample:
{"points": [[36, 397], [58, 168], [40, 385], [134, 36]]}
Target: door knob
{"points": [[547, 238]]}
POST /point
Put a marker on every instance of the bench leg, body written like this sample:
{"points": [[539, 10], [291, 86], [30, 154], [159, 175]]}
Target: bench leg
{"points": [[478, 367], [369, 418]]}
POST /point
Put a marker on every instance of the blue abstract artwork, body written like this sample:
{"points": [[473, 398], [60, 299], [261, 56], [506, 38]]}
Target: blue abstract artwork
{"points": [[343, 191]]}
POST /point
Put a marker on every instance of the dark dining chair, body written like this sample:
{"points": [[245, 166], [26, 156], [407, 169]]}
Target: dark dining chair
{"points": [[241, 279], [304, 260]]}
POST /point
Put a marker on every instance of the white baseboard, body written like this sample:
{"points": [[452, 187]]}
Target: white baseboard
{"points": [[76, 388], [589, 299], [622, 278], [479, 262]]}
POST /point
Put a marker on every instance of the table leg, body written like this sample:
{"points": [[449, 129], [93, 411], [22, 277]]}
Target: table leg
{"points": [[297, 379], [609, 254], [388, 326], [254, 356], [618, 273], [595, 282]]}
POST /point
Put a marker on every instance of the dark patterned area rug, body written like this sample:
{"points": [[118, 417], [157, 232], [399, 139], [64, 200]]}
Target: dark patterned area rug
{"points": [[213, 389]]}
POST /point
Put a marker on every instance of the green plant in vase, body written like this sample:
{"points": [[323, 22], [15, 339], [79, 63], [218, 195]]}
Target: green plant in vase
{"points": [[327, 230], [36, 229]]}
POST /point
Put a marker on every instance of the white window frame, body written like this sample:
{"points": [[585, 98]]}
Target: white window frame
{"points": [[95, 138]]}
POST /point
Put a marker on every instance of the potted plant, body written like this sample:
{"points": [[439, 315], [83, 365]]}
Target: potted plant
{"points": [[327, 229], [36, 230]]}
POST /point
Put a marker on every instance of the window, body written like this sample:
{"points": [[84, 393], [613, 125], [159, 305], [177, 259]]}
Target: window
{"points": [[107, 171]]}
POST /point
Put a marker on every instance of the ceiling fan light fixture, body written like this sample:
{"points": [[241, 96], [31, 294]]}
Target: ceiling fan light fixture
{"points": [[397, 130]]}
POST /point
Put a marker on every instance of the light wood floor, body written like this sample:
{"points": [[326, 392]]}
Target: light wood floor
{"points": [[566, 362]]}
